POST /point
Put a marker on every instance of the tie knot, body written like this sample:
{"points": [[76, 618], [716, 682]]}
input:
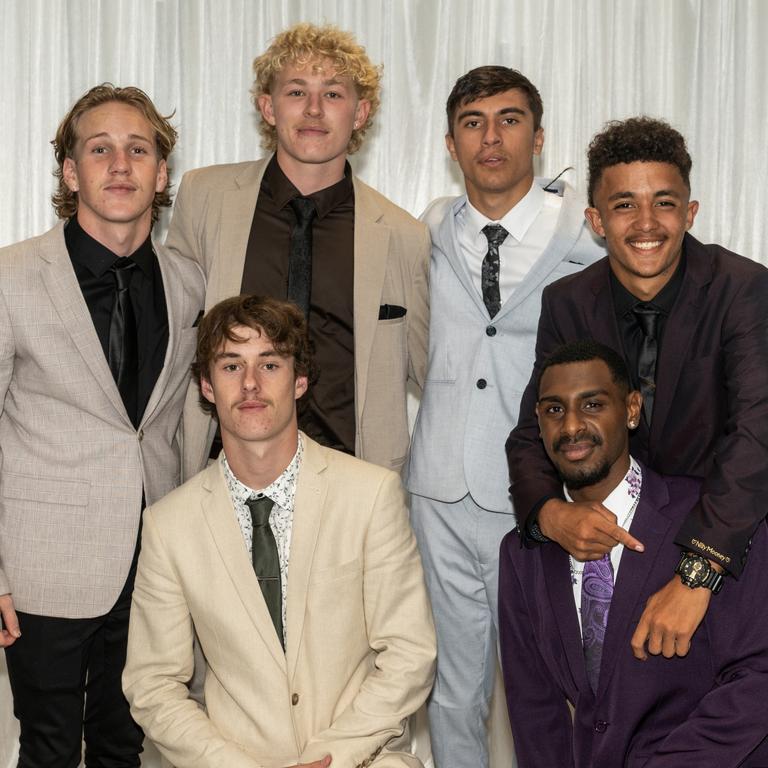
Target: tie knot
{"points": [[260, 508], [123, 270], [648, 317], [303, 208], [495, 234]]}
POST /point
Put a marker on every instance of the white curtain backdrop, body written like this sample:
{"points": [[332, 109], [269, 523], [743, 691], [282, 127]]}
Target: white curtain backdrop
{"points": [[700, 64]]}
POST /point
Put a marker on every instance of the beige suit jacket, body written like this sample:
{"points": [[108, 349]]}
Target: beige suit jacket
{"points": [[360, 644], [72, 464], [211, 224]]}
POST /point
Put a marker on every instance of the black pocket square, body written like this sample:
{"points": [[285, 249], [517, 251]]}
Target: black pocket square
{"points": [[391, 312]]}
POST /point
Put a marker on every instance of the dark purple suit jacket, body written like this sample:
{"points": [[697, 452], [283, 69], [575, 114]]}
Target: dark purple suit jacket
{"points": [[710, 417], [707, 709]]}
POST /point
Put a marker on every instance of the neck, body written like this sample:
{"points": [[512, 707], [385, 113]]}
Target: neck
{"points": [[121, 238], [258, 464], [496, 205], [602, 489], [311, 177]]}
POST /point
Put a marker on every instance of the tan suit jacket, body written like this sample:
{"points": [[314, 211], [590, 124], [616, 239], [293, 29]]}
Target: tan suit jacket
{"points": [[211, 224], [360, 645], [73, 466]]}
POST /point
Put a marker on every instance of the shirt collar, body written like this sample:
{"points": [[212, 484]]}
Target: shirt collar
{"points": [[97, 258], [282, 490], [622, 500], [517, 221], [282, 189]]}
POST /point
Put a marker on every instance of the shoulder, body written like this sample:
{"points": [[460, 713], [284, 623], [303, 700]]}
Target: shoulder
{"points": [[178, 506], [676, 495], [187, 270], [224, 175], [573, 287], [53, 238], [370, 200], [15, 259], [724, 263]]}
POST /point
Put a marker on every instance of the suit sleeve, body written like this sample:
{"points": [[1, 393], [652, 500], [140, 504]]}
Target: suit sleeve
{"points": [[733, 495], [400, 631], [532, 476], [183, 233], [538, 711], [418, 310], [7, 355], [160, 662], [732, 719]]}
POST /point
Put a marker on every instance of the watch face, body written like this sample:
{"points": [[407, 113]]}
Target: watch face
{"points": [[694, 570]]}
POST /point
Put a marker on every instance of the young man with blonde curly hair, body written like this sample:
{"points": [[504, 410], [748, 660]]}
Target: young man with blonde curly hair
{"points": [[299, 225]]}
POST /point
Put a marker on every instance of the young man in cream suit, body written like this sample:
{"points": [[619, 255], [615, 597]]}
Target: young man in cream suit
{"points": [[96, 338], [295, 566], [357, 264]]}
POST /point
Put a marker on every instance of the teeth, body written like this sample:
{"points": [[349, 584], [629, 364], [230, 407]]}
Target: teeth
{"points": [[645, 245]]}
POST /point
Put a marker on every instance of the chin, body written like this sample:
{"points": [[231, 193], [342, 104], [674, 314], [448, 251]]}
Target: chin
{"points": [[576, 479]]}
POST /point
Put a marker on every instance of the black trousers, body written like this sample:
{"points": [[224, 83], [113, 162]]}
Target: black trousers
{"points": [[65, 679]]}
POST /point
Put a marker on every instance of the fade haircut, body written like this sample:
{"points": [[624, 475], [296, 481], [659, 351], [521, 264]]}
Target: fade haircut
{"points": [[482, 82], [584, 351], [636, 140], [305, 44], [282, 322], [65, 144]]}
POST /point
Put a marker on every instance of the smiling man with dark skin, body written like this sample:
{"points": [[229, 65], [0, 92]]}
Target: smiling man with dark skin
{"points": [[691, 322]]}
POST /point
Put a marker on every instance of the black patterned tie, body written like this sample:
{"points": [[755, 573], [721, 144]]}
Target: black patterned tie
{"points": [[648, 319], [300, 256], [266, 562], [123, 347], [489, 278]]}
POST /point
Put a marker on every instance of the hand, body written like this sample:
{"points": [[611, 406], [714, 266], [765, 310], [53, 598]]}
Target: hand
{"points": [[322, 763], [10, 632], [586, 529], [669, 620]]}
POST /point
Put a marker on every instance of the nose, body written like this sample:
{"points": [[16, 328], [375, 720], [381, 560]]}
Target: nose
{"points": [[250, 380], [572, 423], [119, 162], [491, 134], [314, 105], [646, 219]]}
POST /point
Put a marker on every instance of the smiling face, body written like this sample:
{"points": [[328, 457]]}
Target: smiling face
{"points": [[314, 112], [584, 416], [494, 142], [642, 209], [115, 171]]}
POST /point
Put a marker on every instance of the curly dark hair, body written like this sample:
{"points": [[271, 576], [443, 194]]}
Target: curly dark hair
{"points": [[638, 139], [482, 82], [584, 351], [282, 322]]}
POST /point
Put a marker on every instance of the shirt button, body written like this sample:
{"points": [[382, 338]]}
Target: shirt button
{"points": [[601, 726], [482, 383], [141, 435], [295, 699], [490, 330]]}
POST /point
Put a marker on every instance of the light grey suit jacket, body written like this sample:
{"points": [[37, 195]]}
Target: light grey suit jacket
{"points": [[73, 466], [478, 368], [211, 224]]}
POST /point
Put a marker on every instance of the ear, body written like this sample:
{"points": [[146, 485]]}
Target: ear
{"points": [[634, 407], [362, 111], [538, 141], [300, 386], [162, 176], [451, 145], [266, 108], [207, 390], [593, 217], [69, 174], [693, 209]]}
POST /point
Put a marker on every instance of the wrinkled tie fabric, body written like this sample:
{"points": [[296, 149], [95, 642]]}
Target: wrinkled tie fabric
{"points": [[300, 255], [489, 276], [648, 319], [123, 356], [596, 594]]}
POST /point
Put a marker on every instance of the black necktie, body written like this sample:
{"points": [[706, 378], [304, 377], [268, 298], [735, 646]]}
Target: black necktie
{"points": [[489, 277], [300, 257], [123, 355], [648, 319], [266, 562]]}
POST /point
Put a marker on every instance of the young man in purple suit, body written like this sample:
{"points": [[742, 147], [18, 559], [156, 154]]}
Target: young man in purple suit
{"points": [[565, 625]]}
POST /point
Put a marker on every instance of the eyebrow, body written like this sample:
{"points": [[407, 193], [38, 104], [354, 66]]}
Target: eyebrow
{"points": [[302, 81], [235, 355], [104, 134], [581, 396], [627, 194], [479, 113]]}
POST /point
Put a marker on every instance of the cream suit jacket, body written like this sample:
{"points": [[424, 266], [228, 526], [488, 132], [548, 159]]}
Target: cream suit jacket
{"points": [[360, 648], [72, 464], [211, 224]]}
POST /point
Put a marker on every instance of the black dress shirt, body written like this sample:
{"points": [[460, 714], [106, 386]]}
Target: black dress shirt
{"points": [[92, 261]]}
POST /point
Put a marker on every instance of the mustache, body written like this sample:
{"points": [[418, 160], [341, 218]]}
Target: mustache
{"points": [[580, 438]]}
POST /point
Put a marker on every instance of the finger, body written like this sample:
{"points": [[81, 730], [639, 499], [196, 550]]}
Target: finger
{"points": [[682, 645], [655, 641], [9, 617], [622, 536], [638, 640]]}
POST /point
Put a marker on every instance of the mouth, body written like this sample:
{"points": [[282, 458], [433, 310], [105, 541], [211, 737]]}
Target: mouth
{"points": [[493, 160], [577, 450], [646, 245], [120, 189], [312, 131], [252, 405]]}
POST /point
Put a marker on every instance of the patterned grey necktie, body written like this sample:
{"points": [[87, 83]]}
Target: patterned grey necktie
{"points": [[489, 278]]}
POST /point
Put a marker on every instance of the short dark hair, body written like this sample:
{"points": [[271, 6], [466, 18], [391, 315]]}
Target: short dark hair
{"points": [[583, 351], [482, 82], [638, 139], [282, 322]]}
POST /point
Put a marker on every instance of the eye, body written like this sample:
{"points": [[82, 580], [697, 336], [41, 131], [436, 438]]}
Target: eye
{"points": [[593, 405], [230, 367], [554, 410], [98, 150], [622, 206], [334, 95], [295, 92], [510, 121], [471, 123], [271, 366], [666, 204], [139, 151]]}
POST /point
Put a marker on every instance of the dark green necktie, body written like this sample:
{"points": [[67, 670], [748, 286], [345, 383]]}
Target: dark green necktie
{"points": [[266, 563]]}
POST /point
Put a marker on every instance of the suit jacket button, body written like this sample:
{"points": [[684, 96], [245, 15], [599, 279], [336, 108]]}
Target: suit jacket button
{"points": [[601, 726], [141, 435], [295, 699], [482, 383], [490, 330]]}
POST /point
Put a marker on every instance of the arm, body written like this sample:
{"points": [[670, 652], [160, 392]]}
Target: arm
{"points": [[160, 663], [418, 312], [532, 695], [400, 631], [183, 234]]}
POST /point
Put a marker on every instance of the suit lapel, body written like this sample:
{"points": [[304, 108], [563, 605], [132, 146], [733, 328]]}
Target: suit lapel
{"points": [[371, 249], [220, 517], [61, 284], [308, 508]]}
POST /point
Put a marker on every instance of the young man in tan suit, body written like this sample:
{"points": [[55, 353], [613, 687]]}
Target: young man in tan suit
{"points": [[299, 225], [296, 568]]}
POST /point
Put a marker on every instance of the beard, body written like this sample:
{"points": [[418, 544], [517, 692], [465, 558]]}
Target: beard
{"points": [[575, 479]]}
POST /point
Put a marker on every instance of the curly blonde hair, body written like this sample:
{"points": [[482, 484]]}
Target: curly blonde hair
{"points": [[304, 44], [64, 199]]}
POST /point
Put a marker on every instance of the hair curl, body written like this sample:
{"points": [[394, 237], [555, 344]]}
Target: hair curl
{"points": [[305, 44], [65, 143], [282, 322], [482, 82], [584, 351], [636, 140]]}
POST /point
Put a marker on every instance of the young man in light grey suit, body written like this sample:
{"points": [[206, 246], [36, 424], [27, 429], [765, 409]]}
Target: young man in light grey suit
{"points": [[494, 250], [299, 225], [96, 339]]}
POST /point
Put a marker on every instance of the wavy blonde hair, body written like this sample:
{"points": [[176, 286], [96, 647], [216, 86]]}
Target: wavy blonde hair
{"points": [[305, 44]]}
